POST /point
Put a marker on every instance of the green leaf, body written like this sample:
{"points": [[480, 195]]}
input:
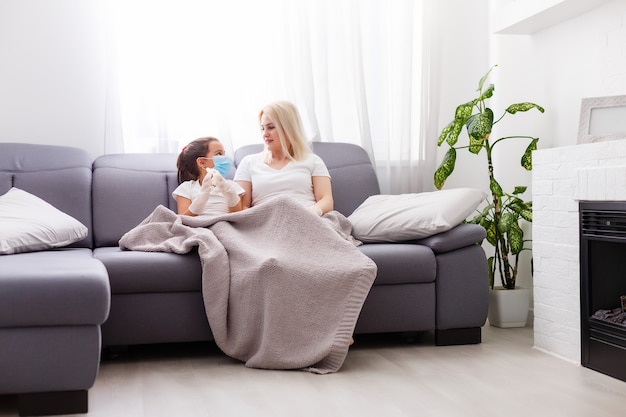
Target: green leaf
{"points": [[507, 220], [487, 94], [526, 214], [476, 219], [495, 188], [453, 138], [481, 216], [488, 212], [479, 125], [520, 189], [445, 132], [516, 239], [484, 78], [523, 209], [476, 145], [514, 108], [527, 158], [490, 228], [464, 111], [516, 204], [450, 133], [445, 169]]}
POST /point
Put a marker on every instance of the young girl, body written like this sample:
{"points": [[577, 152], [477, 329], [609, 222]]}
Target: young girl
{"points": [[202, 188]]}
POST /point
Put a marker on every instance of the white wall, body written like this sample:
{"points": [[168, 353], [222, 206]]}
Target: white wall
{"points": [[463, 58], [52, 73], [584, 56]]}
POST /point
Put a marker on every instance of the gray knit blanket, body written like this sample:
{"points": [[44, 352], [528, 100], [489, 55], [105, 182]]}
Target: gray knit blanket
{"points": [[282, 287]]}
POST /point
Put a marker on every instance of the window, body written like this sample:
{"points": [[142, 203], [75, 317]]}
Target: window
{"points": [[190, 68]]}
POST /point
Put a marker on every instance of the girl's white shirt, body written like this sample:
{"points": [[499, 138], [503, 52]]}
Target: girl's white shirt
{"points": [[293, 180], [216, 203]]}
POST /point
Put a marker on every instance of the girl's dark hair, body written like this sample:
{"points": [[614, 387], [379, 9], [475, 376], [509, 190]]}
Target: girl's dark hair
{"points": [[186, 162]]}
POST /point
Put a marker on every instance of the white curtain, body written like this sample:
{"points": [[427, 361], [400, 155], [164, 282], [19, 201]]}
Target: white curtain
{"points": [[358, 70]]}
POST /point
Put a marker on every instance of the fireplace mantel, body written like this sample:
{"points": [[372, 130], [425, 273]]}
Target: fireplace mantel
{"points": [[561, 177]]}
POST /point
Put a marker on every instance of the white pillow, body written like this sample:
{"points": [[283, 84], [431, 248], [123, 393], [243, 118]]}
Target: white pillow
{"points": [[27, 223], [396, 218]]}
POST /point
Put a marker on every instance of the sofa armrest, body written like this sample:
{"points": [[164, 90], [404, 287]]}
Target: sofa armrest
{"points": [[464, 234]]}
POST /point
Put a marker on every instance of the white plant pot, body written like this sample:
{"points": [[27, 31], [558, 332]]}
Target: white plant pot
{"points": [[509, 308]]}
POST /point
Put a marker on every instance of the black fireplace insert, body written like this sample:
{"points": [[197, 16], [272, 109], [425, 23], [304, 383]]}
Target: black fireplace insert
{"points": [[603, 286]]}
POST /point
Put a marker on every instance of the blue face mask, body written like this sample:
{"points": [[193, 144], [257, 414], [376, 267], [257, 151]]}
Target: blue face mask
{"points": [[222, 164]]}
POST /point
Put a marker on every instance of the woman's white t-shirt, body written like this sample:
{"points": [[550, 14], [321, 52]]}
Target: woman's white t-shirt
{"points": [[294, 179], [216, 203]]}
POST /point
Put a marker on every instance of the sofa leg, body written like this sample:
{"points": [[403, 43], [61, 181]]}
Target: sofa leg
{"points": [[466, 336], [51, 403]]}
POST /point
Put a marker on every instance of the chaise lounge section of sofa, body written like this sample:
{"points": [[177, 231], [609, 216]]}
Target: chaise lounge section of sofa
{"points": [[52, 302]]}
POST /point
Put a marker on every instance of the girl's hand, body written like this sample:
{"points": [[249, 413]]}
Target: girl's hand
{"points": [[207, 181], [227, 190]]}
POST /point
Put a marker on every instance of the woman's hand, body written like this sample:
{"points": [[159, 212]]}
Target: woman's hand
{"points": [[316, 209], [323, 192]]}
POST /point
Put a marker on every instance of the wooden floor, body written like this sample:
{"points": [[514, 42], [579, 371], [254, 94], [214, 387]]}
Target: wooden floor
{"points": [[388, 377]]}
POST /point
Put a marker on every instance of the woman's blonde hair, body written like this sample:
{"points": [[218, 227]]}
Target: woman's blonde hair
{"points": [[288, 124]]}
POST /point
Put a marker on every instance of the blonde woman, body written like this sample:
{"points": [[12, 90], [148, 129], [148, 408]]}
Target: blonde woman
{"points": [[287, 166]]}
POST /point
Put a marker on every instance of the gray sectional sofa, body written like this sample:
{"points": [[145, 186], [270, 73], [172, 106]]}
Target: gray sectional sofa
{"points": [[59, 308]]}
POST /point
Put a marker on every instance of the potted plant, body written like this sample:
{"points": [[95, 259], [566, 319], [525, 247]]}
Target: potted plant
{"points": [[504, 213]]}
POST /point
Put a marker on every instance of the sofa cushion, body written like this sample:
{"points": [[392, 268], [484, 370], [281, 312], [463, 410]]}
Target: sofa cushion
{"points": [[352, 173], [126, 189], [458, 237], [401, 263], [397, 218], [57, 287], [149, 272], [28, 223]]}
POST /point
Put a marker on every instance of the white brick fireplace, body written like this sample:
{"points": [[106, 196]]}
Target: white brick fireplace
{"points": [[561, 177]]}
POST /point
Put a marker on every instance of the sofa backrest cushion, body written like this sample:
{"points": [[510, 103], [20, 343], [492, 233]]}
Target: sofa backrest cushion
{"points": [[126, 189], [353, 177], [59, 175]]}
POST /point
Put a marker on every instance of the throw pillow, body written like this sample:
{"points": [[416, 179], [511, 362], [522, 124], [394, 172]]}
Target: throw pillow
{"points": [[28, 223], [397, 218]]}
